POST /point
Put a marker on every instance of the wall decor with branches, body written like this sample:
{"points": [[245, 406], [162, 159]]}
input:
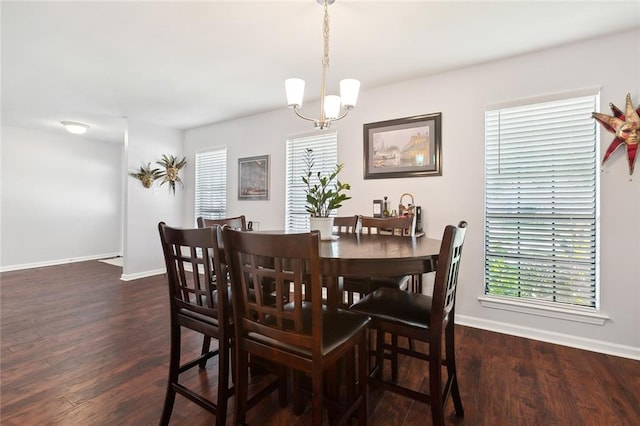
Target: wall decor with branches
{"points": [[170, 170]]}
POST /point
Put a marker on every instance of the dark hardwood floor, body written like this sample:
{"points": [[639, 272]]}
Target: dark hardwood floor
{"points": [[81, 347]]}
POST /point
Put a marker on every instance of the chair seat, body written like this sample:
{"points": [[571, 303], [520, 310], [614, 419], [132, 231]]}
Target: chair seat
{"points": [[269, 297], [397, 306], [199, 317], [337, 327], [365, 285]]}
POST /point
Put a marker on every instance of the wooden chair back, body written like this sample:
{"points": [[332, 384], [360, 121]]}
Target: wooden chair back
{"points": [[401, 225], [191, 266], [346, 224], [446, 279], [290, 332], [292, 262], [238, 222], [199, 300]]}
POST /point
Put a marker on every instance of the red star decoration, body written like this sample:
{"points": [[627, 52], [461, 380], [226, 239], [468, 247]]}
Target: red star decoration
{"points": [[625, 127]]}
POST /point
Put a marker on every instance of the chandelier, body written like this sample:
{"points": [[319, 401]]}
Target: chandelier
{"points": [[330, 105]]}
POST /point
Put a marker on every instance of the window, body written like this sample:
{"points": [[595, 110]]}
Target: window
{"points": [[541, 203], [211, 184], [325, 149]]}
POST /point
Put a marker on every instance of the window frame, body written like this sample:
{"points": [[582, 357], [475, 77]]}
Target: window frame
{"points": [[218, 177], [325, 146], [589, 314]]}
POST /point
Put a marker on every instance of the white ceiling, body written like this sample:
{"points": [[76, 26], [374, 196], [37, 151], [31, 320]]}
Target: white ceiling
{"points": [[185, 64]]}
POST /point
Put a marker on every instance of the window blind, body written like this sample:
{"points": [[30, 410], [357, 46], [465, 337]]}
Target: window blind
{"points": [[325, 151], [541, 202], [211, 184]]}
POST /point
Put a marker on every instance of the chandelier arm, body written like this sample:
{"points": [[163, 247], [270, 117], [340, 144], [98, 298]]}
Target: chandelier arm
{"points": [[344, 114], [295, 109]]}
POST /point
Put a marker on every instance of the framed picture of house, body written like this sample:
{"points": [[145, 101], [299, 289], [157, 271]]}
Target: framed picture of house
{"points": [[403, 147], [253, 178]]}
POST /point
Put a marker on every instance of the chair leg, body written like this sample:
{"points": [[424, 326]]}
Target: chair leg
{"points": [[298, 402], [242, 384], [379, 354], [167, 408], [233, 360], [363, 380], [316, 397], [450, 355], [331, 383], [350, 374], [223, 381], [394, 358], [174, 367], [282, 386], [435, 382], [206, 344]]}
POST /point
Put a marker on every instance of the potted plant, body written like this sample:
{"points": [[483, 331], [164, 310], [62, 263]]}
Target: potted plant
{"points": [[324, 194]]}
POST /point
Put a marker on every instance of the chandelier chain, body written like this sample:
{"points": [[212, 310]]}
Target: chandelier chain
{"points": [[294, 87], [325, 35]]}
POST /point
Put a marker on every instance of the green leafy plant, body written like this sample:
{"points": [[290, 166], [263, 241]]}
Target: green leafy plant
{"points": [[147, 175], [172, 166], [324, 193]]}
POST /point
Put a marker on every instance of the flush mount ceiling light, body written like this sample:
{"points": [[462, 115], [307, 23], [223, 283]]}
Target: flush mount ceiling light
{"points": [[330, 105], [75, 127]]}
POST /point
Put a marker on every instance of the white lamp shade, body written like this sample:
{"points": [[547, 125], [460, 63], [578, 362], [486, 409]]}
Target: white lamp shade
{"points": [[331, 107], [294, 87], [349, 89], [75, 128]]}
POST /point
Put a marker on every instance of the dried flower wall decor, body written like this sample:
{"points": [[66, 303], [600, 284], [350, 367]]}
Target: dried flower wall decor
{"points": [[147, 175], [172, 167]]}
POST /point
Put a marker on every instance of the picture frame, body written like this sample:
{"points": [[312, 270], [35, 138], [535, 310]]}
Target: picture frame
{"points": [[377, 208], [253, 178], [403, 147]]}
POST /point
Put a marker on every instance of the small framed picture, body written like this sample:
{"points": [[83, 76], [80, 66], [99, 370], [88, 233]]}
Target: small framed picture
{"points": [[253, 178], [377, 208], [404, 147]]}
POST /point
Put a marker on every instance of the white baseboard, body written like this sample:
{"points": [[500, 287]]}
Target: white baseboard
{"points": [[57, 262], [138, 275], [551, 337]]}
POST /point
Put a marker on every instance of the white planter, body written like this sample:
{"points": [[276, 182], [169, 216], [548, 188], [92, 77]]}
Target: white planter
{"points": [[322, 224]]}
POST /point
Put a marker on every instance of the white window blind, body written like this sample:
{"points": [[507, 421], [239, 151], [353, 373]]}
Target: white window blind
{"points": [[325, 151], [541, 202], [211, 184]]}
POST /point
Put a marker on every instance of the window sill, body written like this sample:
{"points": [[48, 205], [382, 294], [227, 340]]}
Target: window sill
{"points": [[588, 317]]}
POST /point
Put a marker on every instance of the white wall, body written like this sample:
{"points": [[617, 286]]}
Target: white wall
{"points": [[145, 207], [462, 97], [61, 198]]}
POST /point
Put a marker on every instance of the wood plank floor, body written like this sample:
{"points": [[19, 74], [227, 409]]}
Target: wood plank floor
{"points": [[81, 347]]}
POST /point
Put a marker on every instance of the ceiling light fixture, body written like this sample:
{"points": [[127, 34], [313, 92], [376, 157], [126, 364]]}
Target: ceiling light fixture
{"points": [[74, 127], [330, 105]]}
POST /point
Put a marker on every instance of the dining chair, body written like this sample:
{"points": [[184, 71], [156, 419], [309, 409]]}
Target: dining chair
{"points": [[361, 286], [198, 301], [302, 334], [237, 222], [422, 318], [397, 225], [346, 224]]}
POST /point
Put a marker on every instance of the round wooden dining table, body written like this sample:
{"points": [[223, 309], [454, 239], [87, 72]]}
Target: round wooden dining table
{"points": [[375, 255]]}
